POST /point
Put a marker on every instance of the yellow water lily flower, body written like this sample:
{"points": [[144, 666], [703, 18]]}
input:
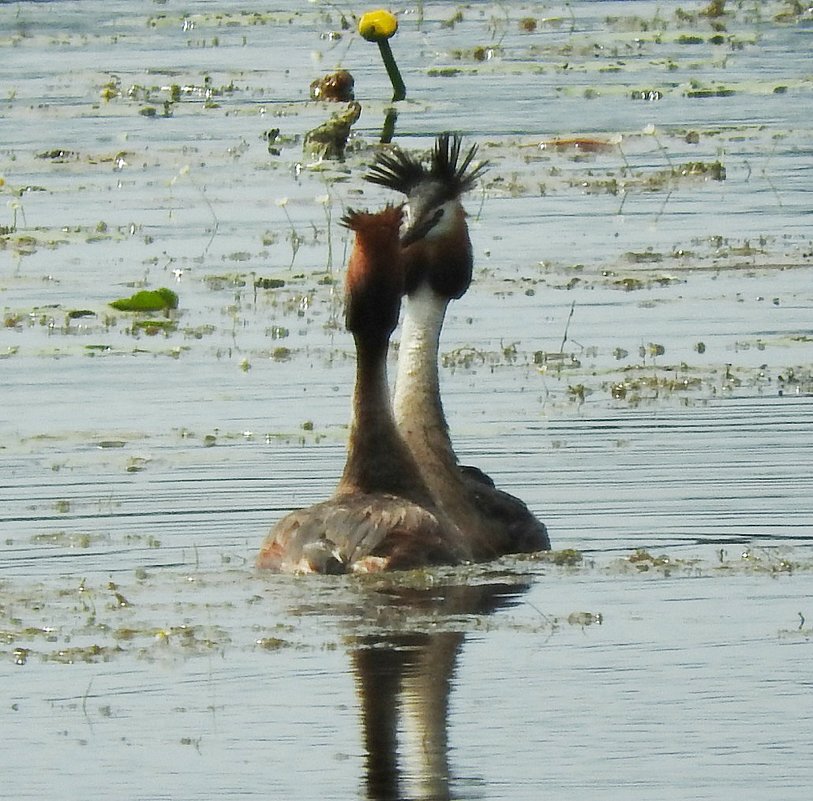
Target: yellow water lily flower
{"points": [[376, 26]]}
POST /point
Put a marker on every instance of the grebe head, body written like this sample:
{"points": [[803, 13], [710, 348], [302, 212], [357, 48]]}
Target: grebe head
{"points": [[434, 235], [375, 279]]}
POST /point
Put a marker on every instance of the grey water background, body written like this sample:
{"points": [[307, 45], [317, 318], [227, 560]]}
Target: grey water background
{"points": [[633, 359]]}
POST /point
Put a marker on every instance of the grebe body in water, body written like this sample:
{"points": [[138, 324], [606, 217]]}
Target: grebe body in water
{"points": [[382, 514], [438, 263]]}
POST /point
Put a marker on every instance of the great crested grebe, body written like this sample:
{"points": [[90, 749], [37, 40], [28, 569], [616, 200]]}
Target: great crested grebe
{"points": [[382, 514], [438, 262]]}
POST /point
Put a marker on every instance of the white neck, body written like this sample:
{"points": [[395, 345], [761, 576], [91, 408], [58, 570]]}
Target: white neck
{"points": [[419, 411], [417, 389]]}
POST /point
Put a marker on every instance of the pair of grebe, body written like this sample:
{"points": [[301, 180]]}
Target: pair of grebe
{"points": [[403, 500]]}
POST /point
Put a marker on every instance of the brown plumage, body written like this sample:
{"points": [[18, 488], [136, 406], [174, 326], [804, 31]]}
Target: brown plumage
{"points": [[438, 264], [382, 515]]}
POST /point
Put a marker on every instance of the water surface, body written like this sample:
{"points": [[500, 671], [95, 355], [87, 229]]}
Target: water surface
{"points": [[633, 359]]}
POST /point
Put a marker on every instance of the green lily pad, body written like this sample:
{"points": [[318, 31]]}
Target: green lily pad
{"points": [[148, 300]]}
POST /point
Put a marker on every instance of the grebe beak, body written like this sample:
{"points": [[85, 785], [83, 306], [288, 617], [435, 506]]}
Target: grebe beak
{"points": [[423, 211], [420, 227]]}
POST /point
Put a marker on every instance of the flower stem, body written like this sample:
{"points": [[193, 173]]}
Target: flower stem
{"points": [[398, 88]]}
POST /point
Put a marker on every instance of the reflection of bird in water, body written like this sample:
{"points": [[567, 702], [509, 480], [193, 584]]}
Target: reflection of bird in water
{"points": [[438, 264], [382, 515], [404, 680]]}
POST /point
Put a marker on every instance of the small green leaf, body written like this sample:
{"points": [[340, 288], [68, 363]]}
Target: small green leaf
{"points": [[148, 300]]}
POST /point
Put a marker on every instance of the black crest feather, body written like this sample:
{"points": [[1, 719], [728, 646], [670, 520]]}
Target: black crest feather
{"points": [[397, 170], [445, 168], [404, 173]]}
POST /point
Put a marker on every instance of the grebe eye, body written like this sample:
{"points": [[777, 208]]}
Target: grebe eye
{"points": [[437, 216], [414, 230]]}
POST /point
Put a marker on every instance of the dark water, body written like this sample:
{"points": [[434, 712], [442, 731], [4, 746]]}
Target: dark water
{"points": [[633, 359]]}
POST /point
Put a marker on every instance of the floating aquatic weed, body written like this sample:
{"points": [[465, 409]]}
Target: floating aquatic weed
{"points": [[465, 356], [59, 155], [336, 87], [111, 89], [559, 360], [195, 640], [22, 244], [89, 654], [200, 331], [65, 539], [239, 255], [120, 602], [629, 284], [805, 634], [579, 392], [277, 332], [76, 314], [689, 39], [329, 140], [714, 170], [639, 379], [228, 281], [269, 283], [153, 327], [135, 464], [273, 643], [618, 391], [272, 139], [764, 560], [13, 320], [585, 618], [148, 300], [444, 72], [708, 91], [648, 256], [644, 560], [567, 557]]}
